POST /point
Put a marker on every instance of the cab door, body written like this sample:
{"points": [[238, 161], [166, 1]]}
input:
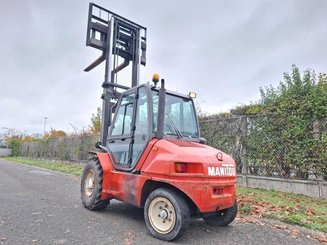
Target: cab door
{"points": [[129, 133]]}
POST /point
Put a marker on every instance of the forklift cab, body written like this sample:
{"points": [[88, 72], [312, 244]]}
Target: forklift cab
{"points": [[136, 121]]}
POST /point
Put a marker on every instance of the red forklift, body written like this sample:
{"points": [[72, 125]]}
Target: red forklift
{"points": [[150, 153]]}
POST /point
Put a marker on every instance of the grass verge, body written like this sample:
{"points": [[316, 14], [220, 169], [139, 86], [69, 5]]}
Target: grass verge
{"points": [[74, 169], [289, 208]]}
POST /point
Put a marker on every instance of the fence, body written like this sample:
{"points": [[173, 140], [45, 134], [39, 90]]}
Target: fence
{"points": [[268, 146], [261, 146], [70, 149], [271, 152]]}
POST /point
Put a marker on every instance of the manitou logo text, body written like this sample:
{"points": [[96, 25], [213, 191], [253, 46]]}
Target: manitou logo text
{"points": [[224, 170]]}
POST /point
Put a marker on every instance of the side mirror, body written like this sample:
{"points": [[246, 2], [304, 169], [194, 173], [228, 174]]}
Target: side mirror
{"points": [[203, 141], [113, 107]]}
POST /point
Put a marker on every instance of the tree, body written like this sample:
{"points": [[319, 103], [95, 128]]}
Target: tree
{"points": [[30, 138], [286, 131], [290, 134], [53, 134], [252, 109], [96, 122], [15, 142]]}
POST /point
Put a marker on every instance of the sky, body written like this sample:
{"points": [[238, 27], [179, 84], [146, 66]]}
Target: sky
{"points": [[222, 50]]}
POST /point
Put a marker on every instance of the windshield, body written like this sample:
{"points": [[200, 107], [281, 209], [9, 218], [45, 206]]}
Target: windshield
{"points": [[180, 119]]}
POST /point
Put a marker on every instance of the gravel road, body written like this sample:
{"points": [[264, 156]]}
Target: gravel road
{"points": [[43, 207]]}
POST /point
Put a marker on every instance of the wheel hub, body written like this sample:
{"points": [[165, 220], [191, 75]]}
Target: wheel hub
{"points": [[89, 184], [162, 215]]}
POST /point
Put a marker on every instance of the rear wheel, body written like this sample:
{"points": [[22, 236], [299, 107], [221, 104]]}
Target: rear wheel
{"points": [[166, 214], [91, 185], [222, 217]]}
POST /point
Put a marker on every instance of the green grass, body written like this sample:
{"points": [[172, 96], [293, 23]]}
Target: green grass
{"points": [[287, 207], [74, 169]]}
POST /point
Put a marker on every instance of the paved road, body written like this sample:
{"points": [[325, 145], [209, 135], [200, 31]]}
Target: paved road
{"points": [[43, 207]]}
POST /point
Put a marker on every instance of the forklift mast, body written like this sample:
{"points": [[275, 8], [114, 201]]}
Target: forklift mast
{"points": [[116, 37]]}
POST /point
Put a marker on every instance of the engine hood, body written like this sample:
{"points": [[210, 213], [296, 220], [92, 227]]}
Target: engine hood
{"points": [[196, 152], [201, 159]]}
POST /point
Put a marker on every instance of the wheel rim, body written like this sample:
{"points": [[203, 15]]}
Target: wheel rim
{"points": [[89, 183], [162, 215]]}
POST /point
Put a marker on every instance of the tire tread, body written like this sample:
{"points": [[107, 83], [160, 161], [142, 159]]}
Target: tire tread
{"points": [[183, 212], [96, 202], [223, 217]]}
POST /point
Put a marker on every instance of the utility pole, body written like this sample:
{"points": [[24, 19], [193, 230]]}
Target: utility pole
{"points": [[45, 124]]}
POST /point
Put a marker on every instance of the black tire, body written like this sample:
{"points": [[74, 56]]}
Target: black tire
{"points": [[177, 211], [222, 217], [91, 199]]}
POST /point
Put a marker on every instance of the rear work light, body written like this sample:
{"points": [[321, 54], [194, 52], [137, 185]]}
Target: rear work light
{"points": [[180, 167], [219, 156], [192, 95]]}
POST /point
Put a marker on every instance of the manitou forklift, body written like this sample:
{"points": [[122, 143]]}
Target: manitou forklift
{"points": [[150, 152]]}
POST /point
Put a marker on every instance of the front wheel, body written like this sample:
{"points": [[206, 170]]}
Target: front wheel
{"points": [[166, 214], [222, 217], [91, 185]]}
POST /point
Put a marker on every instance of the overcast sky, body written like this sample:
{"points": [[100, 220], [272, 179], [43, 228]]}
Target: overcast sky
{"points": [[223, 50]]}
